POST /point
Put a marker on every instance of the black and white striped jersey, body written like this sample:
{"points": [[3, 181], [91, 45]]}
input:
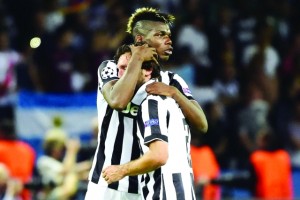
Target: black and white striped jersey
{"points": [[117, 140], [175, 80], [160, 118]]}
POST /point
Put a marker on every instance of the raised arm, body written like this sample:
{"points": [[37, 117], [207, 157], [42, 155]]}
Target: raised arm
{"points": [[151, 160], [119, 92]]}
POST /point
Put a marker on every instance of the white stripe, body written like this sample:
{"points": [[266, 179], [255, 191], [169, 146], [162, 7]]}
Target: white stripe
{"points": [[126, 149]]}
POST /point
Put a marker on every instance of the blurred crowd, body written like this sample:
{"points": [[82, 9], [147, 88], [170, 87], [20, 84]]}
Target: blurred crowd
{"points": [[241, 60]]}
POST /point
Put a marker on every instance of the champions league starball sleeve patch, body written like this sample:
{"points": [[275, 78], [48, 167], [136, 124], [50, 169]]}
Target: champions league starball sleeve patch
{"points": [[109, 71], [152, 122]]}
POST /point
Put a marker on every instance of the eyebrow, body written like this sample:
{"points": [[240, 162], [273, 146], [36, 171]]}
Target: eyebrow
{"points": [[164, 32]]}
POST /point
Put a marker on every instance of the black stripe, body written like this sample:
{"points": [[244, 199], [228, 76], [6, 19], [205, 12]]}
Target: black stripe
{"points": [[100, 155], [178, 184], [117, 150], [145, 188], [157, 184], [135, 153], [140, 122], [153, 114], [168, 118], [171, 77], [164, 195]]}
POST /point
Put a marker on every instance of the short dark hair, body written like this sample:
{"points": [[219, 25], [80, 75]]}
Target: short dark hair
{"points": [[120, 51], [150, 14]]}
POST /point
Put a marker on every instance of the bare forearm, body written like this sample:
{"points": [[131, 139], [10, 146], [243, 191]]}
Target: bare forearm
{"points": [[142, 165], [155, 157], [192, 111], [70, 160], [123, 90], [151, 160]]}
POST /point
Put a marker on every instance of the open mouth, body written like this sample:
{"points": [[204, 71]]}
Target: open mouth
{"points": [[169, 51]]}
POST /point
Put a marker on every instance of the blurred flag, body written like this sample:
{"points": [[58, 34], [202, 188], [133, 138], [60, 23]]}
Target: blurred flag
{"points": [[36, 112]]}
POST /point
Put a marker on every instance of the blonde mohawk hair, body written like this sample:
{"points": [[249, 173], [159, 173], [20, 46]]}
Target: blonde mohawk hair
{"points": [[151, 14]]}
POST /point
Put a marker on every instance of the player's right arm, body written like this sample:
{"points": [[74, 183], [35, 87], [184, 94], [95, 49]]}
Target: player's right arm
{"points": [[118, 92], [156, 157], [153, 125]]}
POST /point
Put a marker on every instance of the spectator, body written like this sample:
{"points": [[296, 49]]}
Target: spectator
{"points": [[250, 119], [8, 59], [255, 73], [55, 61], [264, 46], [290, 70], [219, 34], [88, 149], [18, 156], [26, 71], [226, 85], [193, 35], [243, 28], [58, 167], [10, 188], [205, 166], [269, 175], [218, 137], [98, 50]]}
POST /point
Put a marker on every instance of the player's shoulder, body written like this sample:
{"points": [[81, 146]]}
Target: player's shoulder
{"points": [[107, 69], [107, 63]]}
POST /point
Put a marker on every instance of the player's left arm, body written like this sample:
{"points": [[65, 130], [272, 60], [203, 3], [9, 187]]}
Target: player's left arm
{"points": [[190, 108]]}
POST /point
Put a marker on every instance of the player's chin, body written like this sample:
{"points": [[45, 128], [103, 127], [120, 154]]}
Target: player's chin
{"points": [[164, 57]]}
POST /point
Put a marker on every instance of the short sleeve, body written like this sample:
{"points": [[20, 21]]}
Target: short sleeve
{"points": [[154, 118], [107, 71]]}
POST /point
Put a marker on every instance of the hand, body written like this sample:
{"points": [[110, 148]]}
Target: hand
{"points": [[144, 52], [73, 145], [113, 173], [160, 88]]}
